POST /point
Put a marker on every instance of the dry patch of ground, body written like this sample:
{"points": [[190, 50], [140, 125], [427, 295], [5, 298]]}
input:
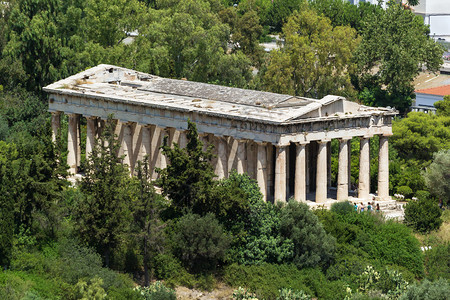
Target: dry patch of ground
{"points": [[221, 291]]}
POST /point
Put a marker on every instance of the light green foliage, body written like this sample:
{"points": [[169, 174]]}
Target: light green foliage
{"points": [[103, 214], [92, 290], [368, 279], [394, 43], [430, 290], [424, 215], [289, 294], [243, 294], [315, 58], [437, 262], [437, 176], [200, 242], [340, 12], [443, 106], [156, 291], [312, 245]]}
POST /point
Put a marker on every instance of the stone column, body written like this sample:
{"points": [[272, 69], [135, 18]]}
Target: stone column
{"points": [[329, 164], [349, 147], [270, 172], [261, 168], [56, 124], [300, 173], [280, 173], [364, 169], [307, 171], [222, 158], [91, 133], [72, 143], [321, 174], [241, 163], [383, 169], [162, 159], [155, 151], [183, 139], [127, 145], [146, 133], [251, 154], [342, 188]]}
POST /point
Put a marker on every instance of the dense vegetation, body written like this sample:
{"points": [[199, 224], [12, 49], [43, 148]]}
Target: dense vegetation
{"points": [[96, 240]]}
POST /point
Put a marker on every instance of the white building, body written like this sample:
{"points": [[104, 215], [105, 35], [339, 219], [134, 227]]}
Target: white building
{"points": [[425, 98], [435, 13]]}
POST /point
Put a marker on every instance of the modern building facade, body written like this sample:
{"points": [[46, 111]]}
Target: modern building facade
{"points": [[282, 141], [435, 13]]}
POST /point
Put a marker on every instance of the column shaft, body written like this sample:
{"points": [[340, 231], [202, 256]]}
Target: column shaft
{"points": [[91, 133], [300, 173], [280, 174], [349, 147], [222, 158], [127, 145], [241, 157], [364, 169], [56, 124], [261, 168], [321, 175], [72, 143], [383, 169], [329, 164], [342, 188]]}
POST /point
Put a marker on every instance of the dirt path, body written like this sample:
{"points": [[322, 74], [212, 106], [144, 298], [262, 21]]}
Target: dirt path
{"points": [[221, 291]]}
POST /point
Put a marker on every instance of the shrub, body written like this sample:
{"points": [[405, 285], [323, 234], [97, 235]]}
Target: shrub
{"points": [[437, 262], [156, 291], [200, 242], [430, 290], [342, 208], [405, 191], [289, 294], [312, 245], [423, 215]]}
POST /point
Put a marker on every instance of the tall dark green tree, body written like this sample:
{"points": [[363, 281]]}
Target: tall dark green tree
{"points": [[188, 179], [103, 215], [147, 226]]}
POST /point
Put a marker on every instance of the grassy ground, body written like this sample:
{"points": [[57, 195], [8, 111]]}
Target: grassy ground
{"points": [[440, 236]]}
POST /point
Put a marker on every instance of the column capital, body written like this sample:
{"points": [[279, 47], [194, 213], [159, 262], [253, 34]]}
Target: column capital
{"points": [[281, 145], [91, 117], [345, 139], [366, 136], [261, 143], [324, 141], [386, 135], [302, 143]]}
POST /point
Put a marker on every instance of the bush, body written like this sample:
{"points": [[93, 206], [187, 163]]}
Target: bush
{"points": [[156, 291], [342, 208], [430, 290], [312, 245], [423, 215], [289, 294], [200, 242], [405, 191], [437, 262]]}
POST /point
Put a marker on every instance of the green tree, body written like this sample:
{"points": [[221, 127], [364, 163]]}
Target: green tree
{"points": [[437, 176], [147, 227], [315, 58], [189, 177], [395, 45], [312, 245], [200, 242], [443, 106], [103, 214], [6, 212], [423, 215]]}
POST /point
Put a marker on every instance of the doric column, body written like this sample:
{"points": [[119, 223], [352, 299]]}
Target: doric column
{"points": [[349, 147], [241, 163], [364, 169], [73, 143], [222, 157], [280, 173], [162, 159], [342, 188], [300, 173], [307, 171], [91, 133], [155, 150], [383, 169], [329, 164], [183, 139], [261, 168], [146, 141], [270, 169], [321, 175], [251, 159], [127, 145], [56, 124]]}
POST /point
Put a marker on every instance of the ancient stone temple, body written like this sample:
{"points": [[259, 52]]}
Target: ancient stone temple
{"points": [[282, 141]]}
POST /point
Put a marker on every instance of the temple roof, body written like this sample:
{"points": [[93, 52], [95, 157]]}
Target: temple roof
{"points": [[114, 83]]}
